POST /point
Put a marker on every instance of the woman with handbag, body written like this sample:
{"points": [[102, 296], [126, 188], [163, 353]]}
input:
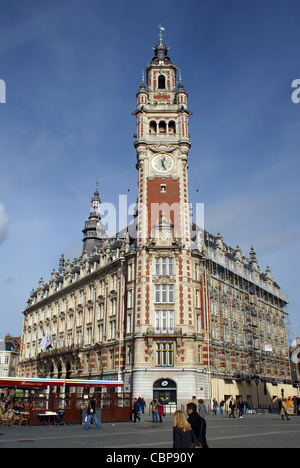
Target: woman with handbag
{"points": [[160, 409]]}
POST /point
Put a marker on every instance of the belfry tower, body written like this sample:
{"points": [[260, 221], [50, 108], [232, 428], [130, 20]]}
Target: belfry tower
{"points": [[162, 148], [164, 257]]}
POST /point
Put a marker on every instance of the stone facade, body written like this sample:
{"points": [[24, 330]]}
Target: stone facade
{"points": [[172, 313]]}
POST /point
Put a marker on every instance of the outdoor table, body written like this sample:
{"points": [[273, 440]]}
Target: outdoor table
{"points": [[48, 417]]}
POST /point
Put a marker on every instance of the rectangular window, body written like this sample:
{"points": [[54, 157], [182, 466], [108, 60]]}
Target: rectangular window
{"points": [[197, 272], [164, 293], [100, 333], [113, 306], [170, 266], [157, 266], [164, 321], [129, 323], [112, 329], [165, 354], [198, 298], [130, 299], [163, 266], [199, 323], [101, 310], [111, 359], [130, 272], [200, 355]]}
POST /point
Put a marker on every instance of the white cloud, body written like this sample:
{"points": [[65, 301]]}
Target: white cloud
{"points": [[4, 221]]}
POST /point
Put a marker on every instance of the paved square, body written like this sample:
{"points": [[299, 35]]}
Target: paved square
{"points": [[253, 431]]}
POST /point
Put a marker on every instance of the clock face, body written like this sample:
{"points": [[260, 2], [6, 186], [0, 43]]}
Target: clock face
{"points": [[163, 162]]}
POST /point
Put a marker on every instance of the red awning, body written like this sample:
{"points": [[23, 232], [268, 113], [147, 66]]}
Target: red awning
{"points": [[19, 382]]}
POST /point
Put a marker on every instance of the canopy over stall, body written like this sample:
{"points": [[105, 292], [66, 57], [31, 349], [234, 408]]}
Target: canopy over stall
{"points": [[19, 382]]}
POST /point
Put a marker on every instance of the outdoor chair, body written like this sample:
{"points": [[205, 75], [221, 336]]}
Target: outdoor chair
{"points": [[8, 419], [24, 420]]}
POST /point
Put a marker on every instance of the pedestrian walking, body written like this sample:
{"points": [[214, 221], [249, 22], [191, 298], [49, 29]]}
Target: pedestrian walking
{"points": [[198, 424], [154, 404], [284, 410], [201, 409], [135, 410], [143, 404], [232, 407], [160, 409], [91, 414], [222, 406], [240, 408], [183, 436], [215, 407]]}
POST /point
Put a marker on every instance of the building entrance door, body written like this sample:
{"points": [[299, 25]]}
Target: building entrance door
{"points": [[165, 389]]}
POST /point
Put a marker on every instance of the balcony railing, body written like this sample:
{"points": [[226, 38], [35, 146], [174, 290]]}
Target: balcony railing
{"points": [[164, 331]]}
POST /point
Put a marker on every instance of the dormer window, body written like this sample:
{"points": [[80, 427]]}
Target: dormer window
{"points": [[161, 82]]}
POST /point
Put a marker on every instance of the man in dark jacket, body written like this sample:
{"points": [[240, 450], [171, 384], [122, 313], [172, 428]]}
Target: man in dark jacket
{"points": [[91, 414], [136, 409], [198, 424]]}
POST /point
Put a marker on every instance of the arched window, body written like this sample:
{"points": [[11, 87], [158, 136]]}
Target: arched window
{"points": [[161, 82], [172, 127], [152, 127], [162, 127]]}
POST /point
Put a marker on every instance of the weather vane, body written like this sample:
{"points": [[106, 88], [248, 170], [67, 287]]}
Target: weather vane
{"points": [[161, 29]]}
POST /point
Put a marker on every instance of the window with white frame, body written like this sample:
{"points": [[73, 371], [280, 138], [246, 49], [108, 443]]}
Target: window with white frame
{"points": [[198, 303], [164, 293], [164, 321], [101, 310], [89, 314], [113, 306], [200, 354], [100, 332], [164, 266], [130, 298], [130, 271], [198, 319], [197, 271], [88, 337], [112, 330]]}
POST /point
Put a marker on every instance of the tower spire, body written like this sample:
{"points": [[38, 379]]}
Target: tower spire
{"points": [[161, 29], [94, 231]]}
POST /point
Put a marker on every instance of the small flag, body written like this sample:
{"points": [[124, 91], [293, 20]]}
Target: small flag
{"points": [[47, 341], [43, 342]]}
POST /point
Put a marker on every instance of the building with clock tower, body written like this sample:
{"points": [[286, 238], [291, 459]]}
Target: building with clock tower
{"points": [[170, 309]]}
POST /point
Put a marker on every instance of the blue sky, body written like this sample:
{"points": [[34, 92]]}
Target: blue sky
{"points": [[72, 69]]}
